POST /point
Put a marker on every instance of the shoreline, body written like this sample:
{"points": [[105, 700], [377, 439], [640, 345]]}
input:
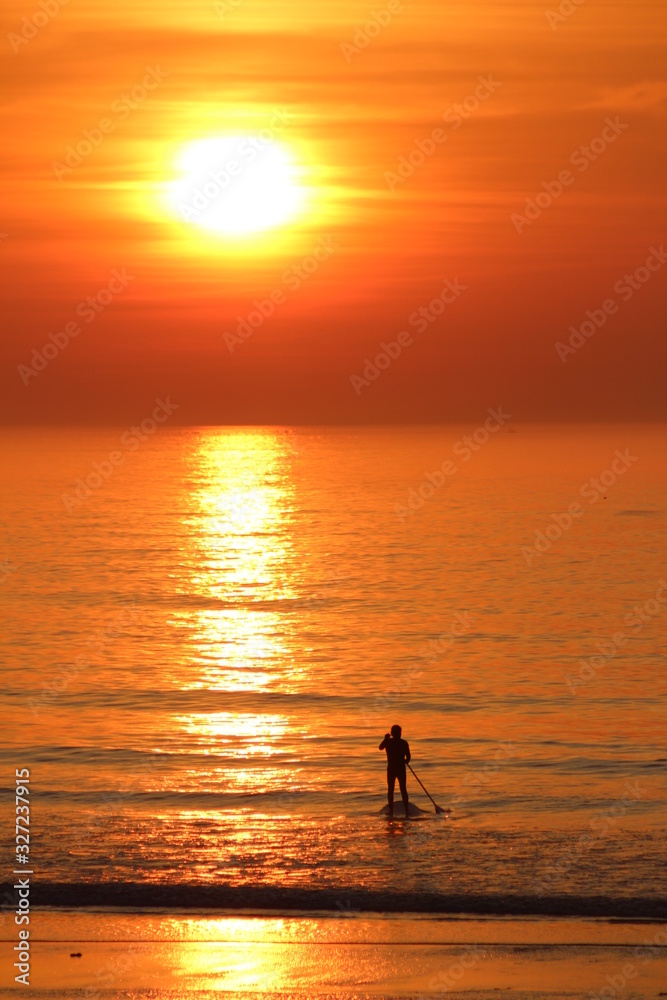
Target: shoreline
{"points": [[142, 897]]}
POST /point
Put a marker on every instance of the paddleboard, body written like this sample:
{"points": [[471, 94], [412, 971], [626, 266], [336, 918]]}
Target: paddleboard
{"points": [[399, 811]]}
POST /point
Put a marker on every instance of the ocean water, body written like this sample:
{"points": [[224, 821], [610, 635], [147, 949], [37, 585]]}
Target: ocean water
{"points": [[207, 634]]}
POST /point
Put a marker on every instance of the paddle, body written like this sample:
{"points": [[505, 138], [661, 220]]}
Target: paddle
{"points": [[437, 807]]}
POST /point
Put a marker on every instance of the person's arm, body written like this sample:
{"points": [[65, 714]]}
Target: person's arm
{"points": [[384, 741], [407, 752]]}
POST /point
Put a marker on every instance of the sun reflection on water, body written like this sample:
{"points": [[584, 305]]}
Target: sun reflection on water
{"points": [[241, 561], [256, 734], [241, 569]]}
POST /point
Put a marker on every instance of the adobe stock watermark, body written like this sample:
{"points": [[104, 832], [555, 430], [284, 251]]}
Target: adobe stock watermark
{"points": [[114, 969], [431, 653], [425, 147], [581, 158], [625, 287], [110, 804], [592, 490], [225, 7], [293, 278], [88, 310], [94, 137], [344, 909], [434, 648], [98, 642], [326, 589], [131, 440], [646, 951], [365, 33], [236, 158], [618, 983], [31, 26], [450, 978], [565, 9], [420, 319], [7, 569], [476, 778], [636, 620], [464, 448], [600, 826]]}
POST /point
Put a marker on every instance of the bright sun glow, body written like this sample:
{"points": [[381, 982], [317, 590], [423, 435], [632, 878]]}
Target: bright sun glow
{"points": [[236, 185]]}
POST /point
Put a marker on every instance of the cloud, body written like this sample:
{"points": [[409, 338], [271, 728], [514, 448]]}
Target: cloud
{"points": [[648, 95]]}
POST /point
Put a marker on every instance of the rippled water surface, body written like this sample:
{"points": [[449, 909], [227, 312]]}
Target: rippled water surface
{"points": [[205, 644]]}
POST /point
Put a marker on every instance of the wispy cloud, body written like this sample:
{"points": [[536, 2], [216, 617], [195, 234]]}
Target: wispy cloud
{"points": [[648, 95]]}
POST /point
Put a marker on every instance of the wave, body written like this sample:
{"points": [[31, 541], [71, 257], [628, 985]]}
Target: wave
{"points": [[205, 800], [135, 896]]}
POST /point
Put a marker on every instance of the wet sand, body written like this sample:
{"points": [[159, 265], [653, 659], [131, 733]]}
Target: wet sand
{"points": [[188, 954]]}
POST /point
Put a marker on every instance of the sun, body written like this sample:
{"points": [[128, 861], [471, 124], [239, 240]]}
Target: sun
{"points": [[236, 185]]}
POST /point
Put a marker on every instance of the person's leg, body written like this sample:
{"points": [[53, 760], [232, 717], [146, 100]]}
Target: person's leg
{"points": [[391, 778], [402, 784]]}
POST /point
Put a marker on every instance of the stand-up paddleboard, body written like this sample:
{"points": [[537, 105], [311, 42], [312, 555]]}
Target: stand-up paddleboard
{"points": [[399, 811]]}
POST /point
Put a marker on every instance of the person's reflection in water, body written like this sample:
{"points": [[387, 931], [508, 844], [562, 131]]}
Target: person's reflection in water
{"points": [[398, 755]]}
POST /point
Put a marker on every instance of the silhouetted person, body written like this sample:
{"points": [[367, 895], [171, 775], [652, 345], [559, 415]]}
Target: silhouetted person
{"points": [[398, 755]]}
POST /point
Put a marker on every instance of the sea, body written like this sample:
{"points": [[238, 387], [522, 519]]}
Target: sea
{"points": [[208, 631]]}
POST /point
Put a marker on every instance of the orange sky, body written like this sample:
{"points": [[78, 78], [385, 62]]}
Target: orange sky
{"points": [[591, 78]]}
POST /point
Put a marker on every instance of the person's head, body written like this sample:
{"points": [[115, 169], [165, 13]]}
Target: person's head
{"points": [[396, 732]]}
